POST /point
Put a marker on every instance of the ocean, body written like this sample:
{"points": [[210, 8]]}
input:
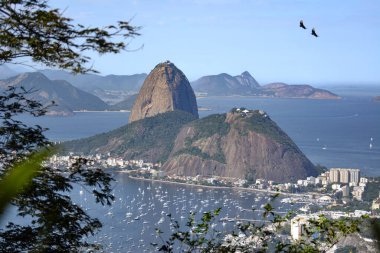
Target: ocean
{"points": [[334, 133]]}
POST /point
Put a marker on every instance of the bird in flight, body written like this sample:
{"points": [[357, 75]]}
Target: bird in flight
{"points": [[302, 25], [314, 33]]}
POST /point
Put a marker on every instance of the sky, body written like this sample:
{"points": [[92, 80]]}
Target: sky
{"points": [[208, 37]]}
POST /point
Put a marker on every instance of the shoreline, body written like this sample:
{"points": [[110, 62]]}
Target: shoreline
{"points": [[103, 111], [269, 97], [222, 187]]}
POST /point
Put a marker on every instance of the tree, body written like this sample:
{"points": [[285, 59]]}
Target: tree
{"points": [[32, 29], [320, 234], [56, 223]]}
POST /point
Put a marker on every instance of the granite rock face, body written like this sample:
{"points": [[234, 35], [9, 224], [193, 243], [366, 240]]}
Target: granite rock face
{"points": [[237, 145], [165, 89]]}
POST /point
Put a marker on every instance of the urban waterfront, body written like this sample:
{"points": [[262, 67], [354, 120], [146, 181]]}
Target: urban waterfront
{"points": [[334, 133]]}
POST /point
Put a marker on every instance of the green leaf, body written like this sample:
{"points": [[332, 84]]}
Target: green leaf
{"points": [[20, 175]]}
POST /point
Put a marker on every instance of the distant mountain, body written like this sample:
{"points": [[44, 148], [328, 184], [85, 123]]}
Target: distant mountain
{"points": [[6, 72], [150, 139], [126, 104], [66, 97], [163, 127], [244, 144], [283, 90], [239, 144], [93, 82], [225, 85], [246, 85], [166, 88]]}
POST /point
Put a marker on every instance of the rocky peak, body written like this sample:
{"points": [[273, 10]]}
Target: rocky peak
{"points": [[165, 89], [240, 144], [245, 79]]}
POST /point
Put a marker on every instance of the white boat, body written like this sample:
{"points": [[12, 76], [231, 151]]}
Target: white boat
{"points": [[161, 220]]}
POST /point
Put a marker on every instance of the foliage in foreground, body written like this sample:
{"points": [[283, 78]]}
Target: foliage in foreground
{"points": [[50, 221], [20, 176], [31, 28], [321, 234]]}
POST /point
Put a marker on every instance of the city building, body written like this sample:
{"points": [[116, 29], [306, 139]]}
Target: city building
{"points": [[334, 176], [299, 224], [355, 175], [346, 191], [357, 192], [345, 176], [376, 203]]}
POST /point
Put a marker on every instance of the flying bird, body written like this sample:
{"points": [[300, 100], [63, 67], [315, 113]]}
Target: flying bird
{"points": [[302, 25], [314, 33]]}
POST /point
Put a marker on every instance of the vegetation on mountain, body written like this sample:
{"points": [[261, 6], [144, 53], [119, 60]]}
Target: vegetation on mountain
{"points": [[268, 127], [372, 190], [210, 125], [150, 139], [207, 127], [240, 144]]}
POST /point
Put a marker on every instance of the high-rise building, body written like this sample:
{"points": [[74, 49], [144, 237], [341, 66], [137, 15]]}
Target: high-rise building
{"points": [[334, 176], [355, 175], [344, 176]]}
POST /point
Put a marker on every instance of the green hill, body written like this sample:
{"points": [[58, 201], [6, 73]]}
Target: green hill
{"points": [[150, 139], [240, 144]]}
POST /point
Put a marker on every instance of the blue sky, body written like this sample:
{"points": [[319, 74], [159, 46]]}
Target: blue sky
{"points": [[204, 37]]}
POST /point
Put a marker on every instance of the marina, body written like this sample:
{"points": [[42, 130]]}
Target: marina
{"points": [[142, 206]]}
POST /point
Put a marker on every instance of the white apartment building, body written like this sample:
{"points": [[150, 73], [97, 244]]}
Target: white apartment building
{"points": [[344, 175]]}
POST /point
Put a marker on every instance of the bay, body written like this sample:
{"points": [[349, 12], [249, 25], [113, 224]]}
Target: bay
{"points": [[335, 133]]}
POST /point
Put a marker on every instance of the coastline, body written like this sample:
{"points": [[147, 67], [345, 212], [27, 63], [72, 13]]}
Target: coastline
{"points": [[268, 97], [103, 111], [221, 187]]}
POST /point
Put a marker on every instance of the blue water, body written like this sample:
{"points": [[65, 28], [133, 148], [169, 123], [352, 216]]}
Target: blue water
{"points": [[334, 133], [142, 206]]}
